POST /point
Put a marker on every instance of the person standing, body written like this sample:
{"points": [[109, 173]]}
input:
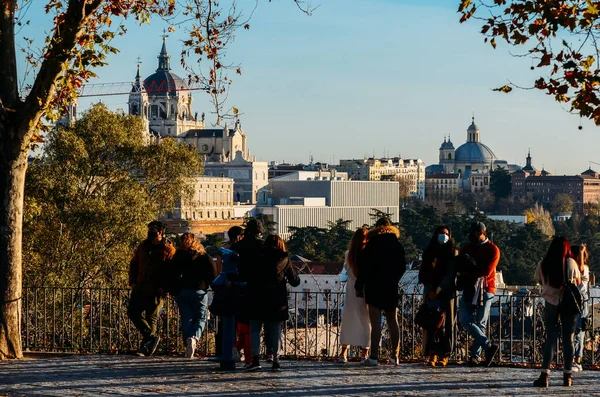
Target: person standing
{"points": [[147, 273], [193, 271], [476, 301], [381, 267], [554, 270], [580, 254], [438, 276], [249, 248], [356, 326], [268, 298]]}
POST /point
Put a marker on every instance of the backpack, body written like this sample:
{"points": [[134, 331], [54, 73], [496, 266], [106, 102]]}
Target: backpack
{"points": [[571, 300]]}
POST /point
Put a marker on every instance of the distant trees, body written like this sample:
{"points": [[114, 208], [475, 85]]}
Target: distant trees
{"points": [[90, 195], [562, 203], [500, 183], [561, 38], [542, 218]]}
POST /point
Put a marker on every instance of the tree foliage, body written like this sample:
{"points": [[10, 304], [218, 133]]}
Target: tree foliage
{"points": [[78, 42], [500, 183], [538, 215], [90, 195], [561, 38]]}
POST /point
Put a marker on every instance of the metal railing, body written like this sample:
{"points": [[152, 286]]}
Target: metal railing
{"points": [[95, 320]]}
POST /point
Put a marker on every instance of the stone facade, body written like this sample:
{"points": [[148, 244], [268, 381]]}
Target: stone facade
{"points": [[410, 172]]}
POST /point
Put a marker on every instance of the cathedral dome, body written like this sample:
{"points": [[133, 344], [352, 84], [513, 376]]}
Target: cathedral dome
{"points": [[474, 152], [163, 83]]}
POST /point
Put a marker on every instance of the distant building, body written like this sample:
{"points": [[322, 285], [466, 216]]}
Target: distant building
{"points": [[164, 102], [409, 172], [209, 210], [304, 203], [442, 185], [543, 187], [472, 161]]}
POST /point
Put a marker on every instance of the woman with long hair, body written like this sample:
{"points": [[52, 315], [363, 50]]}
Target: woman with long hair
{"points": [[580, 254], [356, 327], [268, 297], [550, 273], [193, 271], [438, 276]]}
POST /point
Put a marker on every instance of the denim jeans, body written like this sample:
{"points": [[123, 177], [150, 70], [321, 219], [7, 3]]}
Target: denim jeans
{"points": [[474, 319], [192, 309], [568, 325], [272, 330], [579, 334]]}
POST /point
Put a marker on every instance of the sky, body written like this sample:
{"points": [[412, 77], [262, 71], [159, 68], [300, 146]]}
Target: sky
{"points": [[369, 77]]}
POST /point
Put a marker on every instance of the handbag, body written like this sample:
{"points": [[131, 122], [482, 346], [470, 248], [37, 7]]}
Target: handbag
{"points": [[429, 318], [571, 300]]}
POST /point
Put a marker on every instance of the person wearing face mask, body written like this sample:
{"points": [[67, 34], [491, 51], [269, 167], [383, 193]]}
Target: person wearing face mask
{"points": [[474, 306], [438, 276], [147, 274]]}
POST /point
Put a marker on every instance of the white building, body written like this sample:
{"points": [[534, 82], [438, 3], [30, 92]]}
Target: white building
{"points": [[410, 172], [303, 203], [164, 102]]}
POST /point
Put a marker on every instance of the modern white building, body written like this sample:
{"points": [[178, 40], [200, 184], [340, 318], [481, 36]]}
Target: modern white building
{"points": [[303, 203]]}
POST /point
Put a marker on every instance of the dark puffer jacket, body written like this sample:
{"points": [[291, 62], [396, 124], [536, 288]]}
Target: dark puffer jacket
{"points": [[381, 265], [267, 290], [191, 270]]}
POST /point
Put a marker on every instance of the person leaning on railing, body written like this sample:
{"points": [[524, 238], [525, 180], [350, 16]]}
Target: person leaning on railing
{"points": [[438, 276], [478, 283], [147, 274], [556, 269]]}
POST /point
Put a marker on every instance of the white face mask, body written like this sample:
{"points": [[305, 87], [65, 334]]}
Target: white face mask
{"points": [[443, 238]]}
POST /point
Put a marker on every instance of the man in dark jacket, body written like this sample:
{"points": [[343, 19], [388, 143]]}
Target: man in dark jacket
{"points": [[381, 265], [474, 308], [249, 250], [147, 273]]}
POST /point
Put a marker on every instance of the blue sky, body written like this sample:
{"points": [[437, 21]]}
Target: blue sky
{"points": [[364, 77]]}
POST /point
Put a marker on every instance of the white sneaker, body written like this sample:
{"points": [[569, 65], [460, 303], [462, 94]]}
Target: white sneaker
{"points": [[577, 367], [369, 362], [342, 360], [190, 347], [395, 361]]}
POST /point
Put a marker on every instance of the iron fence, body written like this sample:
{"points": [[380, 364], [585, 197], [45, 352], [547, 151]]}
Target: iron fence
{"points": [[95, 320]]}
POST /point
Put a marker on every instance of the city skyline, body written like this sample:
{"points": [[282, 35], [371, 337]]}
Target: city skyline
{"points": [[382, 78]]}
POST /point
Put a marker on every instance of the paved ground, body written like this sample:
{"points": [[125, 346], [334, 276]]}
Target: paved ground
{"points": [[100, 375]]}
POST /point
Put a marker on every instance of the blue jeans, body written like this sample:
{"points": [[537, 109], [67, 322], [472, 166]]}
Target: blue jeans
{"points": [[568, 325], [474, 319], [192, 309], [579, 334], [272, 336]]}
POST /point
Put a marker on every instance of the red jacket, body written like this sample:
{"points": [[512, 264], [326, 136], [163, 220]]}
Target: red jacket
{"points": [[487, 256]]}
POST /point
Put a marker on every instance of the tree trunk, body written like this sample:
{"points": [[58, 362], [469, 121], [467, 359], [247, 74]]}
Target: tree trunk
{"points": [[13, 164]]}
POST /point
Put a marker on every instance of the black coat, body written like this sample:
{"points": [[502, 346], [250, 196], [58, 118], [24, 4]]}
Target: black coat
{"points": [[380, 268], [249, 250], [267, 291], [191, 270]]}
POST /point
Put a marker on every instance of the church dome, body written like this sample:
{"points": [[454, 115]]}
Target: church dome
{"points": [[163, 83], [474, 152]]}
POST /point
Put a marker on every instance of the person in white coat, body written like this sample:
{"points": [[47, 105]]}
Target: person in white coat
{"points": [[356, 327]]}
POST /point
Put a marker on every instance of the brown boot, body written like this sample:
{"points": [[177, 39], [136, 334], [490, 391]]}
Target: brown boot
{"points": [[542, 381], [567, 380]]}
